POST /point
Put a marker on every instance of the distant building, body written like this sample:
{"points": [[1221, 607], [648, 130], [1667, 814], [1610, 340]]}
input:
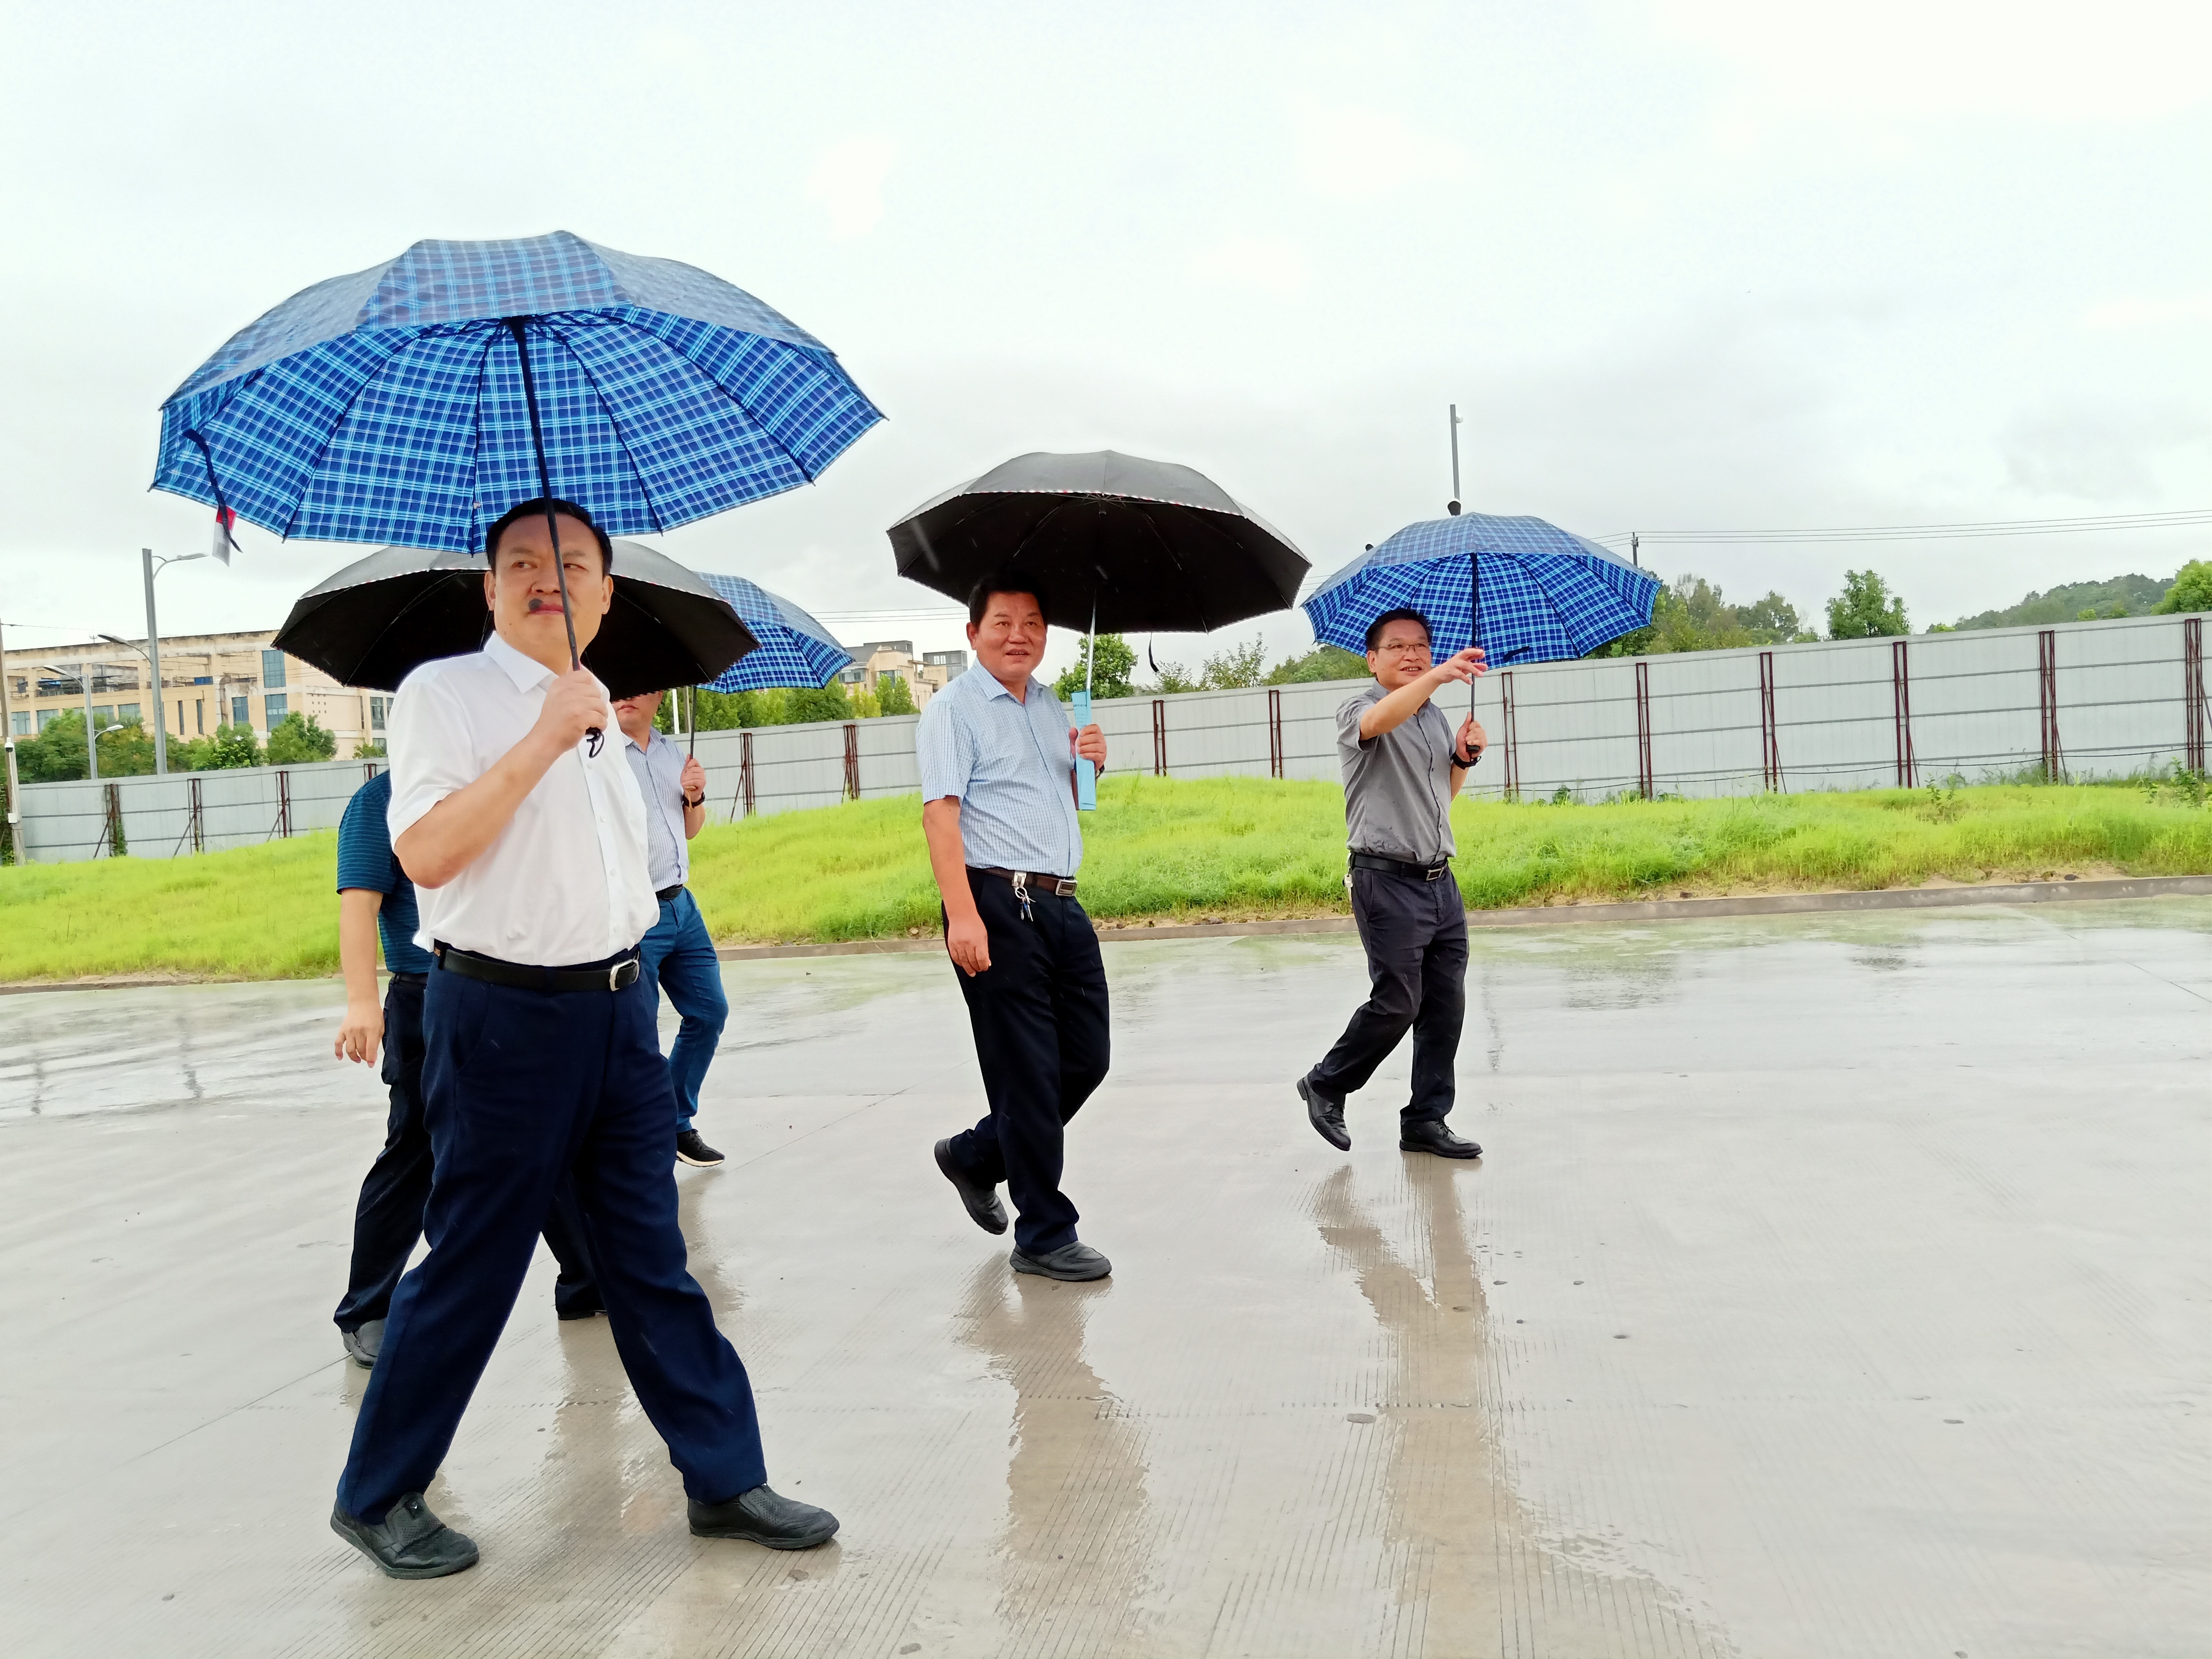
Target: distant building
{"points": [[881, 659], [207, 680]]}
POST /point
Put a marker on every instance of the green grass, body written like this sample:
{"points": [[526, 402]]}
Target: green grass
{"points": [[1165, 848]]}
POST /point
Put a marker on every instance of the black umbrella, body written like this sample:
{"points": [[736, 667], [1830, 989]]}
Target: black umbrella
{"points": [[402, 606], [1116, 541]]}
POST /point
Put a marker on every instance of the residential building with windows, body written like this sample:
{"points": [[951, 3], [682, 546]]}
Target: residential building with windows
{"points": [[207, 680], [881, 659]]}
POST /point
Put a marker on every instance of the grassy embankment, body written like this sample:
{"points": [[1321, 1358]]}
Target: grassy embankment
{"points": [[1234, 847]]}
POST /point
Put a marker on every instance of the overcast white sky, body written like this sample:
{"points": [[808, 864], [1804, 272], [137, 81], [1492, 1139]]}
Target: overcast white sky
{"points": [[1702, 264]]}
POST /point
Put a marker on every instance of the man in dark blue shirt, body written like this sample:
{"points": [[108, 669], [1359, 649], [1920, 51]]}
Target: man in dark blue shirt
{"points": [[376, 897]]}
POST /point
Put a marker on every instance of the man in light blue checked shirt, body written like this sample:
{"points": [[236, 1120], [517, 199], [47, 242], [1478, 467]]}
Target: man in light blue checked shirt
{"points": [[998, 789]]}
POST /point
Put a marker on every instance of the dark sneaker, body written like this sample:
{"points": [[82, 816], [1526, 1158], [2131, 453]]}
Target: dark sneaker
{"points": [[765, 1515], [1430, 1135], [410, 1543], [691, 1148], [364, 1341], [983, 1207], [1077, 1263], [1326, 1115]]}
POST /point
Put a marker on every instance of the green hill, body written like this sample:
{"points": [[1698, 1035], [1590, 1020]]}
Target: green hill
{"points": [[2131, 595]]}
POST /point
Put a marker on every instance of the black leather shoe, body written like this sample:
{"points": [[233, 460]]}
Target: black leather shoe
{"points": [[1077, 1263], [363, 1341], [1430, 1135], [410, 1543], [691, 1148], [983, 1207], [1326, 1115], [764, 1516]]}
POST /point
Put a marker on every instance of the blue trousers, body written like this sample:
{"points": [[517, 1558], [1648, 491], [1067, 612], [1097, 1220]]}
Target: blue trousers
{"points": [[519, 1086], [388, 1218], [679, 957]]}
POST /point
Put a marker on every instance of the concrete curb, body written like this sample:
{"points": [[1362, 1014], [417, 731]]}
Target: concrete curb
{"points": [[1748, 904]]}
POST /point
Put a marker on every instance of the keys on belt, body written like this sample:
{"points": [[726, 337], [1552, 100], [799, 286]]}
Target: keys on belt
{"points": [[1028, 881]]}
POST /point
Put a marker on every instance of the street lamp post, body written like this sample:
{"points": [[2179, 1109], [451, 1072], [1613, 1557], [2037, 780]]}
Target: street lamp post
{"points": [[92, 736], [153, 566]]}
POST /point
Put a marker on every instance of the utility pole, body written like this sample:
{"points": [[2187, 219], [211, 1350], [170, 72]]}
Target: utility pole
{"points": [[84, 677], [153, 568], [1456, 498], [7, 736], [1636, 549]]}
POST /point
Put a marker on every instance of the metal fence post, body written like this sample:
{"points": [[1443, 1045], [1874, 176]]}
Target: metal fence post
{"points": [[116, 846], [1159, 736], [2192, 690], [1274, 732], [745, 773], [283, 803], [1901, 701], [852, 761], [1644, 782], [2046, 674], [1769, 743], [1512, 738], [198, 825]]}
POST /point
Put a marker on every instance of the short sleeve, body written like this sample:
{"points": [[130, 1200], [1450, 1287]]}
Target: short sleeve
{"points": [[946, 749], [365, 858], [428, 734], [1348, 740]]}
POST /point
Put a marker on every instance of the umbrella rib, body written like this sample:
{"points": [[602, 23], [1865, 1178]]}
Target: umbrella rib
{"points": [[331, 432], [660, 528]]}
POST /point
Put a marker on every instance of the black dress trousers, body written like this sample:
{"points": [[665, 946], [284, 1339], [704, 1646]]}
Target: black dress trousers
{"points": [[520, 1089], [1040, 1020], [388, 1218], [1415, 932]]}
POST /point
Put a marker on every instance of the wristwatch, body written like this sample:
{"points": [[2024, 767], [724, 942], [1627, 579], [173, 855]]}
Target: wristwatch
{"points": [[694, 805], [1464, 765]]}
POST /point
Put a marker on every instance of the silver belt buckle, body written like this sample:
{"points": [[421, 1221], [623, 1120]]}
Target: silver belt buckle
{"points": [[1063, 888], [614, 980], [1434, 873]]}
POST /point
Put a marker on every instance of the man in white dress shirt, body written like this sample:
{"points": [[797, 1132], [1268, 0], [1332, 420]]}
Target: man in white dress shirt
{"points": [[515, 812]]}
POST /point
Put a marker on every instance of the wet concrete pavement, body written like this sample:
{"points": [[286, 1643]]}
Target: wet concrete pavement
{"points": [[1834, 1286]]}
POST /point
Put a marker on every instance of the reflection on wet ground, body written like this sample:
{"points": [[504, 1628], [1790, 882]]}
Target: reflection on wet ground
{"points": [[1831, 1289]]}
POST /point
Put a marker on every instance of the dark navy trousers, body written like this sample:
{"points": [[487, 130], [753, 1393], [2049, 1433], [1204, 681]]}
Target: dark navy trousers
{"points": [[1040, 1018], [519, 1086], [1415, 932], [388, 1218]]}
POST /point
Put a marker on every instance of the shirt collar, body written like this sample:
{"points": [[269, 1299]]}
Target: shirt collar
{"points": [[527, 672], [993, 687]]}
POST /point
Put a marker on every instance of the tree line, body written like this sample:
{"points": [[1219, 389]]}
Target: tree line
{"points": [[57, 754]]}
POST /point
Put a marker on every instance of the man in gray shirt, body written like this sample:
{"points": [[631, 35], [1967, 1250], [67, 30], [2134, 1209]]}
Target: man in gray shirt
{"points": [[1403, 767]]}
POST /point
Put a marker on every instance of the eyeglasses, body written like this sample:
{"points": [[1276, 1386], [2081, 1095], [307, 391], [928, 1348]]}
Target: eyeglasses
{"points": [[1403, 648]]}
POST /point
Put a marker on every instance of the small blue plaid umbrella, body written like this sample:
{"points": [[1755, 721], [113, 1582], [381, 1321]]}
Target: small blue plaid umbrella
{"points": [[1545, 593], [794, 649]]}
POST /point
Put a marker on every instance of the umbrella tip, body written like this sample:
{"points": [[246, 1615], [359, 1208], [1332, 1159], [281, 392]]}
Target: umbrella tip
{"points": [[1452, 507]]}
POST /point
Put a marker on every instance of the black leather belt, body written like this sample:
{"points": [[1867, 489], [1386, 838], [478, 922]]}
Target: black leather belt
{"points": [[668, 893], [616, 973], [1028, 881], [1399, 867], [410, 979]]}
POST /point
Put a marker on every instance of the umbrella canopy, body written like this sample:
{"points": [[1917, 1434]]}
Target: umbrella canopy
{"points": [[415, 402], [381, 616], [1153, 545], [1546, 592], [795, 650]]}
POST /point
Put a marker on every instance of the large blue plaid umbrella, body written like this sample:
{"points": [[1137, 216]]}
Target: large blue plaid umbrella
{"points": [[794, 649], [1545, 593], [415, 402]]}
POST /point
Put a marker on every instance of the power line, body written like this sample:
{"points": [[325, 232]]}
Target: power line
{"points": [[1918, 532]]}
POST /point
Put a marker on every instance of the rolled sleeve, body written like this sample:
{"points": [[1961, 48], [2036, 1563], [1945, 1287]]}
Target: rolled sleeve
{"points": [[946, 750], [431, 757]]}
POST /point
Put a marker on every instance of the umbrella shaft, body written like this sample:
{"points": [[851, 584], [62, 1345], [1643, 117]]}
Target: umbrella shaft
{"points": [[517, 326]]}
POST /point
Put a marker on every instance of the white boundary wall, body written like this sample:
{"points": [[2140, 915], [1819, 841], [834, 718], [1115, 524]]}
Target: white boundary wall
{"points": [[1976, 704]]}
